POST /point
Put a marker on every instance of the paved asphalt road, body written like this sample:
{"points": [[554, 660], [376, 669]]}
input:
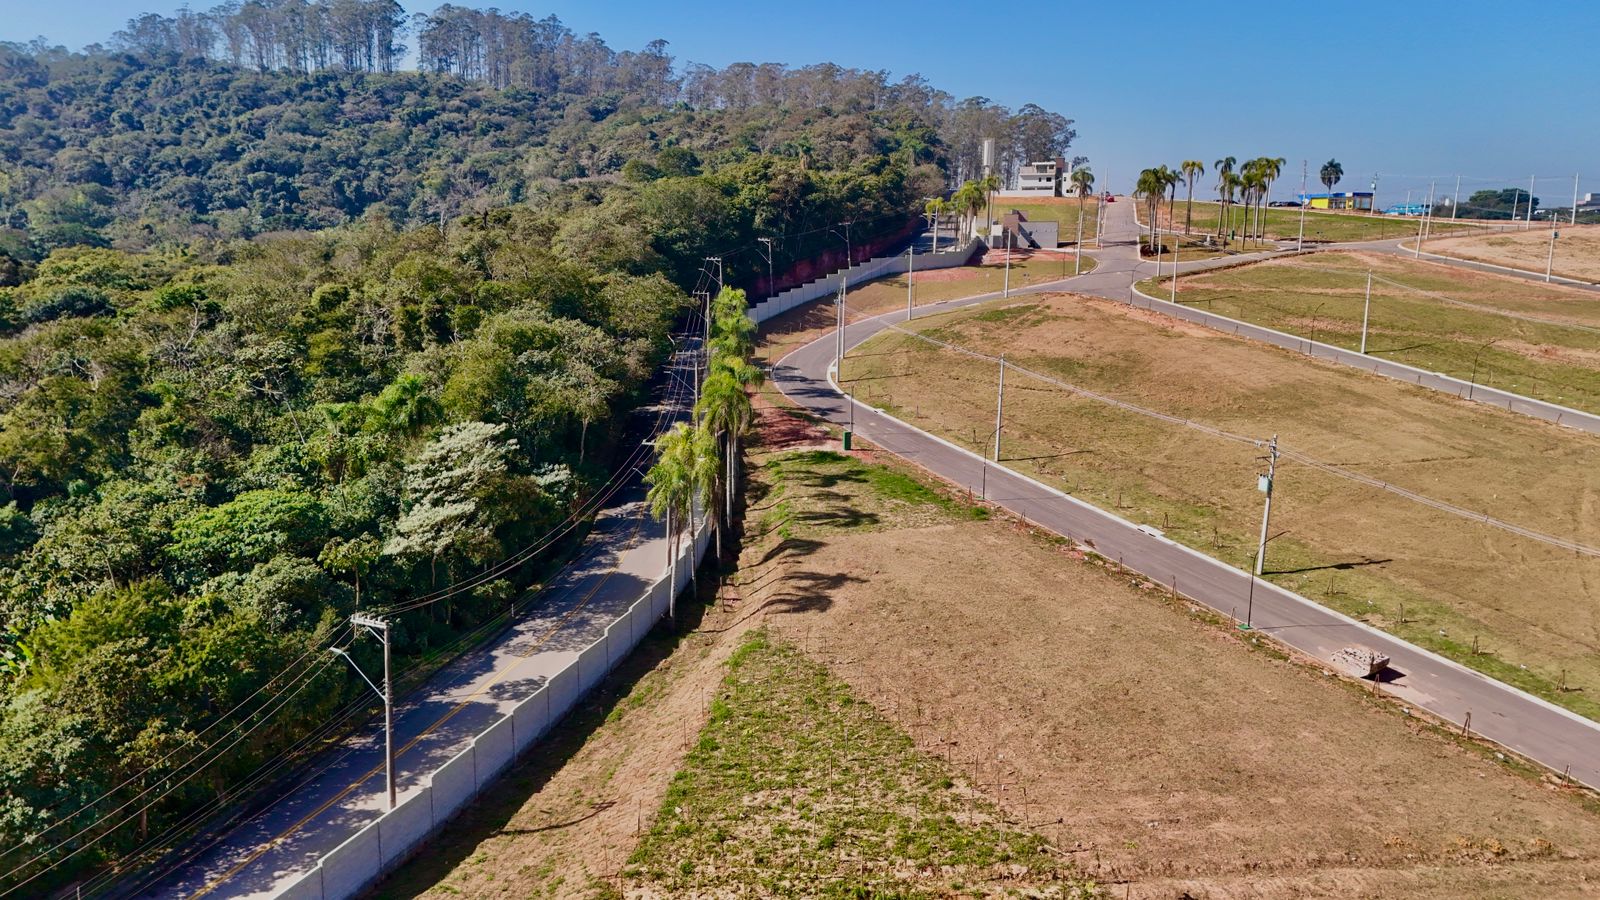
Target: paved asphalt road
{"points": [[1120, 259], [343, 789], [1519, 721]]}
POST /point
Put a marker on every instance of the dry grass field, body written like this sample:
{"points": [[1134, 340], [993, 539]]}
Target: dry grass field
{"points": [[1283, 223], [1517, 609], [1155, 749], [1577, 250], [1534, 339]]}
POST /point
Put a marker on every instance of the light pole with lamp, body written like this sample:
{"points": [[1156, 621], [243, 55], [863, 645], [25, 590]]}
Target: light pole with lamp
{"points": [[379, 628], [1472, 385], [771, 286]]}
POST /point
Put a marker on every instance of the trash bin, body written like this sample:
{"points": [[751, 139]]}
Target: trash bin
{"points": [[847, 439]]}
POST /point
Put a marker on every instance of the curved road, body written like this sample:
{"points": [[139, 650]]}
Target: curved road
{"points": [[1521, 722], [1131, 270]]}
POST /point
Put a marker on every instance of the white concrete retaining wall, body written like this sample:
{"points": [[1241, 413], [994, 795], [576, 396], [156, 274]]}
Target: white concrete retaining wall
{"points": [[858, 274], [391, 838]]}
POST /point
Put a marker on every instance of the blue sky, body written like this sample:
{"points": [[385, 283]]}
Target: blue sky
{"points": [[1493, 91]]}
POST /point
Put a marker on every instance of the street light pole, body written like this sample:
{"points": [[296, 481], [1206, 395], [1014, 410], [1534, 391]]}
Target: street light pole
{"points": [[1300, 243], [1077, 262], [1006, 290], [1574, 199], [1366, 313], [999, 406], [1529, 218], [1265, 485], [1455, 202], [1175, 240], [1472, 385], [380, 628], [838, 335], [910, 256], [771, 286]]}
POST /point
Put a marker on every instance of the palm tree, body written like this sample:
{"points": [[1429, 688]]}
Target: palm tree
{"points": [[932, 210], [724, 410], [1082, 182], [1226, 185], [968, 200], [1255, 185], [1171, 178], [1151, 185], [685, 466], [990, 183], [1192, 169], [1330, 174], [1271, 168]]}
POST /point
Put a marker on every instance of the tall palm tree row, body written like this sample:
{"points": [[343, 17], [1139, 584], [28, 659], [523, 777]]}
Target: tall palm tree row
{"points": [[1191, 169], [968, 199], [1152, 185], [1227, 185], [696, 459]]}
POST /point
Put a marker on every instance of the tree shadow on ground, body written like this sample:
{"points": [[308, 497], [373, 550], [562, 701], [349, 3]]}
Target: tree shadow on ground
{"points": [[1338, 566]]}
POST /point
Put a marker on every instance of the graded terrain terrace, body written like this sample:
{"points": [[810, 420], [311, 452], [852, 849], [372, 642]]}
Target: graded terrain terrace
{"points": [[1508, 605], [1541, 341]]}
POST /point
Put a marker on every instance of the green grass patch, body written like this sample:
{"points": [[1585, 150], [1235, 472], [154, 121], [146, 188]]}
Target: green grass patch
{"points": [[813, 492], [795, 787]]}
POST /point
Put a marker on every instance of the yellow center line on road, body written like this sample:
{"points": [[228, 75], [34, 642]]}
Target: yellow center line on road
{"points": [[633, 537]]}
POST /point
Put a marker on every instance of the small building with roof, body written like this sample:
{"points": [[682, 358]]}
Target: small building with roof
{"points": [[1360, 201]]}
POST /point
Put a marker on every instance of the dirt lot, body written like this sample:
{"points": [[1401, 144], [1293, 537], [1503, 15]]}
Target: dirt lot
{"points": [[1538, 340], [1430, 577], [1577, 250], [1157, 751]]}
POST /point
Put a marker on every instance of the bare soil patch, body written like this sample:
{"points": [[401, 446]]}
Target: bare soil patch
{"points": [[1577, 250]]}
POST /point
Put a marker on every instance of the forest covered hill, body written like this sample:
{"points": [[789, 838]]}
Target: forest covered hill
{"points": [[286, 329]]}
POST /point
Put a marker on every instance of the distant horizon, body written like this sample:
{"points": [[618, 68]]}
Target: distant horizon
{"points": [[1154, 104]]}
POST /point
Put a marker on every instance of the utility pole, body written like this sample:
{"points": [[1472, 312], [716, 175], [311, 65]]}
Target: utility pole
{"points": [[1455, 202], [771, 286], [1077, 262], [1374, 193], [1574, 199], [1264, 484], [838, 336], [1006, 290], [1366, 313], [380, 629], [1529, 217], [1300, 244], [910, 256], [718, 261], [999, 406], [1550, 260], [1175, 240]]}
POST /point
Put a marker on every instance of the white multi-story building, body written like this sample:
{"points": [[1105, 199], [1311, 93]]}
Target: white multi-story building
{"points": [[1040, 179]]}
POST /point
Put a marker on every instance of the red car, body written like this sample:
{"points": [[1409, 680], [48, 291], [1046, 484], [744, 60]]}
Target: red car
{"points": [[1108, 198]]}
